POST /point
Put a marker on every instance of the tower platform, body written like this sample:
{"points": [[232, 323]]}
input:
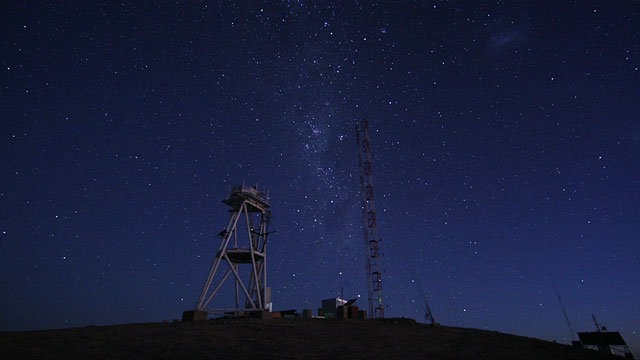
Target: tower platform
{"points": [[255, 200], [243, 256]]}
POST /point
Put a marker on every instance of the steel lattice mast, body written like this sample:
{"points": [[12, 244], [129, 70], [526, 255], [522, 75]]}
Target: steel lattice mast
{"points": [[372, 254]]}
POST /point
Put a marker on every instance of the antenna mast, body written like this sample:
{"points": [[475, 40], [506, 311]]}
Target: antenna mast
{"points": [[564, 311], [372, 255], [599, 326], [428, 316]]}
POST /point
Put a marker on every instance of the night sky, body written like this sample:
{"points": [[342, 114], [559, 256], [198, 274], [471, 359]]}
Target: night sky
{"points": [[505, 135]]}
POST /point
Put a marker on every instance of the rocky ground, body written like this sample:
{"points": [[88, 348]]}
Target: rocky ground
{"points": [[281, 339]]}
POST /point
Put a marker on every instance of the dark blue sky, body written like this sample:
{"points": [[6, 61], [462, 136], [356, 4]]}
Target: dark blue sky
{"points": [[505, 138]]}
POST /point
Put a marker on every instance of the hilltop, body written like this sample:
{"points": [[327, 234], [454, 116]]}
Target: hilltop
{"points": [[281, 339]]}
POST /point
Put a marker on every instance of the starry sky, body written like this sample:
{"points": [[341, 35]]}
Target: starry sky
{"points": [[505, 138]]}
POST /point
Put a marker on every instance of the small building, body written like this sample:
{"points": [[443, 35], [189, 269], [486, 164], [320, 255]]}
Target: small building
{"points": [[337, 308], [330, 307]]}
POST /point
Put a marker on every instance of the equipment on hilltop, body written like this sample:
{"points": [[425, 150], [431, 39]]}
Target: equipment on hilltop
{"points": [[605, 341]]}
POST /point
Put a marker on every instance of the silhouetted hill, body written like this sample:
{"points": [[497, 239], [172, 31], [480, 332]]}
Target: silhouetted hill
{"points": [[281, 339]]}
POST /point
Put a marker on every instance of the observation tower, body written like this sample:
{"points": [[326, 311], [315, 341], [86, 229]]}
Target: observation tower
{"points": [[239, 256]]}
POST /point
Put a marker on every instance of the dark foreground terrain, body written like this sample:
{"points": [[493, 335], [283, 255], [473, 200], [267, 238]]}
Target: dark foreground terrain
{"points": [[281, 339]]}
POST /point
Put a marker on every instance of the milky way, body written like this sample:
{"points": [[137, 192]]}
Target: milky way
{"points": [[504, 137]]}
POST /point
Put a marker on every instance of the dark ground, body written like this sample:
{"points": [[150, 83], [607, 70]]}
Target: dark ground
{"points": [[281, 339]]}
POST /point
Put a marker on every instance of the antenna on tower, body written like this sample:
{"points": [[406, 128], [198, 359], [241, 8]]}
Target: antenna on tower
{"points": [[372, 255]]}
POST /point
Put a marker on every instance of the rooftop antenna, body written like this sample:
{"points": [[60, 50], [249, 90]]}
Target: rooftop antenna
{"points": [[341, 285]]}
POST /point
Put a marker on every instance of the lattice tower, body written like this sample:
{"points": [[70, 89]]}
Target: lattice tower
{"points": [[371, 240]]}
